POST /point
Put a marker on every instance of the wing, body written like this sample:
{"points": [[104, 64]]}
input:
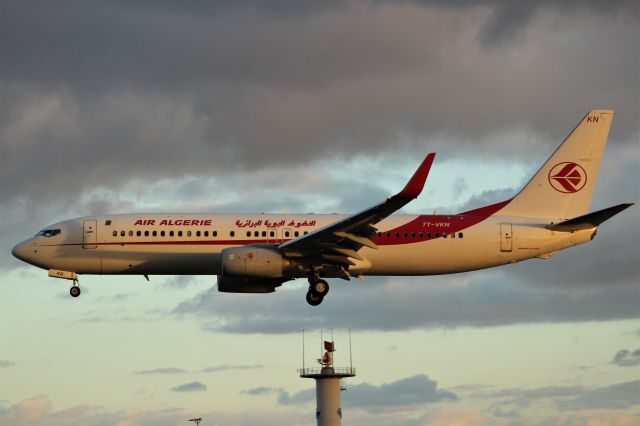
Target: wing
{"points": [[332, 248]]}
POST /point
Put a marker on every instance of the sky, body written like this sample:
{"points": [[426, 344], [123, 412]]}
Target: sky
{"points": [[255, 106]]}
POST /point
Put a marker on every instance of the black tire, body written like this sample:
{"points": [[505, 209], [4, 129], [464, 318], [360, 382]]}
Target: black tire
{"points": [[74, 291], [313, 300], [320, 288]]}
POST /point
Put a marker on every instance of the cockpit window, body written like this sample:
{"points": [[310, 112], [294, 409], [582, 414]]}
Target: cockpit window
{"points": [[48, 233]]}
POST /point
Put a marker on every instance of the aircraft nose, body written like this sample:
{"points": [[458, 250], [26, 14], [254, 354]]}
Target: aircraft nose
{"points": [[21, 251]]}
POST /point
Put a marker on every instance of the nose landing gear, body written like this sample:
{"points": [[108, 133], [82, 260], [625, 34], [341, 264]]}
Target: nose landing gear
{"points": [[74, 291], [67, 275], [318, 289]]}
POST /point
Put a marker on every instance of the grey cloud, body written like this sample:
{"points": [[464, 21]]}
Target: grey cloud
{"points": [[6, 364], [261, 390], [414, 390], [149, 91], [226, 367], [168, 370], [511, 401], [615, 397], [476, 299], [190, 387], [302, 397], [626, 358], [212, 369]]}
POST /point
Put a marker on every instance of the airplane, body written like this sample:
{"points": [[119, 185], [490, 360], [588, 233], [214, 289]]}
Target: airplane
{"points": [[256, 253]]}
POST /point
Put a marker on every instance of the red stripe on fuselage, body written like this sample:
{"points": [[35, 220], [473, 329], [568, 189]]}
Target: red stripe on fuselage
{"points": [[432, 224]]}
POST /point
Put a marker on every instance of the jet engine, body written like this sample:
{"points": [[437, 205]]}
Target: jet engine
{"points": [[248, 285], [253, 262]]}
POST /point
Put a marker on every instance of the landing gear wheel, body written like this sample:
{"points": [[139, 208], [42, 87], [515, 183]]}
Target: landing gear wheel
{"points": [[313, 300], [319, 288], [74, 291]]}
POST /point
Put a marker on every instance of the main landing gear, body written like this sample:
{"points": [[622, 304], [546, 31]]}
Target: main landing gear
{"points": [[318, 289]]}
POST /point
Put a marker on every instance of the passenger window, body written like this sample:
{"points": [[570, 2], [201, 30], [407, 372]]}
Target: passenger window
{"points": [[248, 233], [122, 233], [286, 234], [460, 235], [388, 234], [232, 234], [379, 234], [397, 234], [138, 233], [197, 233], [179, 233], [214, 233], [428, 234], [437, 234], [272, 234], [413, 235], [264, 233], [422, 235], [206, 233], [171, 233], [305, 233], [162, 233], [256, 234], [115, 233], [295, 234], [406, 234], [444, 235], [146, 233], [188, 233], [155, 233]]}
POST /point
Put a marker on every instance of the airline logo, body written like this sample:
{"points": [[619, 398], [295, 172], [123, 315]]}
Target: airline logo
{"points": [[567, 177]]}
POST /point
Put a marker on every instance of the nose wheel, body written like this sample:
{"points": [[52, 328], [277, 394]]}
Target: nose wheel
{"points": [[318, 289], [74, 291]]}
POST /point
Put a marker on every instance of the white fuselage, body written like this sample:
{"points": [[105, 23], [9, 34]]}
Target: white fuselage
{"points": [[192, 243]]}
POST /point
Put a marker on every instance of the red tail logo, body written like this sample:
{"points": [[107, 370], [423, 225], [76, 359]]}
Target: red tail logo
{"points": [[567, 177]]}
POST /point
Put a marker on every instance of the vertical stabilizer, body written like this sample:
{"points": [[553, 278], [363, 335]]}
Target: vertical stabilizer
{"points": [[563, 187]]}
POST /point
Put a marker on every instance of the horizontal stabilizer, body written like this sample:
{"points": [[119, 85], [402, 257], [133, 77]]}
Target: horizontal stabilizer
{"points": [[589, 220]]}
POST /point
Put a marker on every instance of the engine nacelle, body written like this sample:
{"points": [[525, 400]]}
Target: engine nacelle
{"points": [[252, 262], [248, 285]]}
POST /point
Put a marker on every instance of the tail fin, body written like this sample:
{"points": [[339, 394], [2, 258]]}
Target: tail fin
{"points": [[564, 186]]}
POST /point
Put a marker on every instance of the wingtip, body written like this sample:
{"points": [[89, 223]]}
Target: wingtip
{"points": [[416, 183]]}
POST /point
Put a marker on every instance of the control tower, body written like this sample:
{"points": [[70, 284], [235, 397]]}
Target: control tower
{"points": [[328, 385]]}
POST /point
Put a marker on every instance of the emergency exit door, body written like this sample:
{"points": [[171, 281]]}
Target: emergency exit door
{"points": [[506, 237], [90, 234]]}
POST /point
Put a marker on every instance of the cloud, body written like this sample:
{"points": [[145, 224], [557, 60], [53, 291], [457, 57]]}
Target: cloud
{"points": [[226, 367], [212, 369], [410, 391], [261, 390], [168, 370], [414, 390], [249, 87], [486, 298], [27, 411], [514, 402], [626, 358], [619, 396], [6, 364], [190, 387]]}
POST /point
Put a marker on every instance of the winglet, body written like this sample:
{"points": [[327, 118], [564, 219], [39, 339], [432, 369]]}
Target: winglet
{"points": [[415, 185]]}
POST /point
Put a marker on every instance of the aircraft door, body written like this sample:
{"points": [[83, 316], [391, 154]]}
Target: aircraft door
{"points": [[90, 234], [506, 237]]}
